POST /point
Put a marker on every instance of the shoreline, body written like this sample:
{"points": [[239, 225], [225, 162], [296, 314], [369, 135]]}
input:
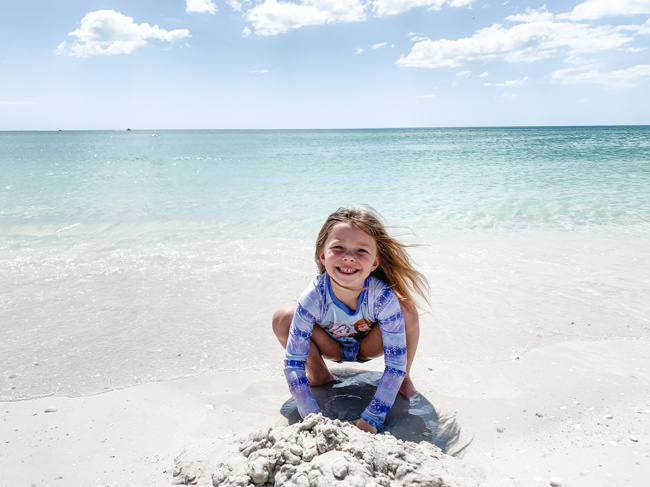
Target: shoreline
{"points": [[577, 410]]}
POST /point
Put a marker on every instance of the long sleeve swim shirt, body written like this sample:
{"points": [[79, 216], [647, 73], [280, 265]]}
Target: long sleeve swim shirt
{"points": [[318, 305]]}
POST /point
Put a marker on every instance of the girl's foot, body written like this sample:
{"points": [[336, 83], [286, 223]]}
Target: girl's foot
{"points": [[407, 390], [320, 380]]}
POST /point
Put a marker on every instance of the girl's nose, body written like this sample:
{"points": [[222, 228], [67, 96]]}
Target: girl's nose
{"points": [[348, 255]]}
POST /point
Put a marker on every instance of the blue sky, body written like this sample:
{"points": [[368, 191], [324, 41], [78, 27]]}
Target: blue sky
{"points": [[219, 64]]}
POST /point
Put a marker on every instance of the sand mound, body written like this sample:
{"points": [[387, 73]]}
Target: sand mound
{"points": [[320, 452]]}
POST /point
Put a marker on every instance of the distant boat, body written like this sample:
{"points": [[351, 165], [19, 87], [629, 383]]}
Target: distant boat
{"points": [[128, 130]]}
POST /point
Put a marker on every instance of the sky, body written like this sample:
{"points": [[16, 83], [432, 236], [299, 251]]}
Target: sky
{"points": [[309, 64]]}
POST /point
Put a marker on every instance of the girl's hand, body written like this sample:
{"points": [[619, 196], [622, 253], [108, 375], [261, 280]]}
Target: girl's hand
{"points": [[364, 426]]}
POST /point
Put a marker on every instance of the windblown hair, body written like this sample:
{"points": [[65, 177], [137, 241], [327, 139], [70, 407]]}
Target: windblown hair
{"points": [[396, 268]]}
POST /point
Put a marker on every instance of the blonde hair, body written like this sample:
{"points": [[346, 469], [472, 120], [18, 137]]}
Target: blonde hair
{"points": [[396, 268]]}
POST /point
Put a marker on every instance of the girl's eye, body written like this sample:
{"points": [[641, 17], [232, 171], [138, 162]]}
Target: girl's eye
{"points": [[363, 251]]}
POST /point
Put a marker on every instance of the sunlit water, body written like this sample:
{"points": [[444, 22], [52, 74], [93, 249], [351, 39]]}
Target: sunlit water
{"points": [[127, 257]]}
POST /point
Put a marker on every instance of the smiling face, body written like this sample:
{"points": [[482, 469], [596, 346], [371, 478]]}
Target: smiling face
{"points": [[349, 255]]}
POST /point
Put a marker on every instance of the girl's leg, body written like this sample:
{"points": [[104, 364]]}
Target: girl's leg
{"points": [[412, 325], [372, 345], [321, 346]]}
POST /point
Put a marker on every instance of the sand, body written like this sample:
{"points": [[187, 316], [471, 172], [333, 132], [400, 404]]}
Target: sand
{"points": [[323, 452], [572, 413]]}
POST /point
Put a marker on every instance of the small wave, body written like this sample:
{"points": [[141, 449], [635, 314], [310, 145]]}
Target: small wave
{"points": [[68, 227]]}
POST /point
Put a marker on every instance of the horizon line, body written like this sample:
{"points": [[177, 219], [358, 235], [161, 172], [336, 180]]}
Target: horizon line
{"points": [[327, 128]]}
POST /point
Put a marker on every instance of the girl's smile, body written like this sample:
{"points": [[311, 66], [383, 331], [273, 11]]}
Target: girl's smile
{"points": [[349, 255]]}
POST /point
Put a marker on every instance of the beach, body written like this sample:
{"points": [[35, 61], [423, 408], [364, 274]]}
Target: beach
{"points": [[579, 411], [140, 272]]}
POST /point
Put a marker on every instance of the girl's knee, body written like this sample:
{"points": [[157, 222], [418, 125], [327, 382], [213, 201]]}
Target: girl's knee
{"points": [[282, 321], [410, 312]]}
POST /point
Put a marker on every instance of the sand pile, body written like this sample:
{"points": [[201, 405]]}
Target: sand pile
{"points": [[322, 452]]}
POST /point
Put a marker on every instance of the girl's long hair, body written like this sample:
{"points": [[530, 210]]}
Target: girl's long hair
{"points": [[396, 268]]}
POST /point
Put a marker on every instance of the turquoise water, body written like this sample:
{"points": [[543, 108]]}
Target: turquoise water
{"points": [[134, 256], [452, 178]]}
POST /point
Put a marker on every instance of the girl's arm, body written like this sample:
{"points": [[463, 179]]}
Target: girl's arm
{"points": [[296, 358], [391, 323]]}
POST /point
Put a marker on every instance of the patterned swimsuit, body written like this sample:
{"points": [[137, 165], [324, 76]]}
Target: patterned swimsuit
{"points": [[318, 305]]}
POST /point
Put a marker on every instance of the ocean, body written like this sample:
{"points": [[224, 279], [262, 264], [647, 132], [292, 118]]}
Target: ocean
{"points": [[130, 257]]}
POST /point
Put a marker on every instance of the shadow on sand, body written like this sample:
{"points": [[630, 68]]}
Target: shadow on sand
{"points": [[415, 420]]}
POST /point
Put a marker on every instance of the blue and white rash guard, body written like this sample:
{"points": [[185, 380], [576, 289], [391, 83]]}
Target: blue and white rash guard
{"points": [[319, 305]]}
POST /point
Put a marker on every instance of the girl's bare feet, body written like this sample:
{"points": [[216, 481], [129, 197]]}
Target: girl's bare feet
{"points": [[407, 390], [322, 379]]}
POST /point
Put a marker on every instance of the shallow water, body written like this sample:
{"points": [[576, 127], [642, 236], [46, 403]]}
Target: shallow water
{"points": [[127, 257]]}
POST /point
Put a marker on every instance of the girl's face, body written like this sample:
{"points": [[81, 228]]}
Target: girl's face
{"points": [[349, 255]]}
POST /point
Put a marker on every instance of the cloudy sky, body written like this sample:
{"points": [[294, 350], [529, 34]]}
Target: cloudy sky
{"points": [[112, 64]]}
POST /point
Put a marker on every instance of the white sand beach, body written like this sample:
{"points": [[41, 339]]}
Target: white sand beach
{"points": [[574, 414], [139, 275]]}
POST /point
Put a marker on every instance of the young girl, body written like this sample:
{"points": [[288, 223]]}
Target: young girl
{"points": [[367, 279]]}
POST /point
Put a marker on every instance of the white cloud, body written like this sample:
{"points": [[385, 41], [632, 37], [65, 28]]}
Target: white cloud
{"points": [[201, 6], [510, 96], [246, 32], [260, 71], [622, 78], [509, 84], [532, 15], [359, 50], [540, 38], [577, 60], [392, 7], [463, 74], [272, 17], [426, 96], [417, 36], [597, 9], [235, 5], [110, 32], [377, 46], [484, 74]]}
